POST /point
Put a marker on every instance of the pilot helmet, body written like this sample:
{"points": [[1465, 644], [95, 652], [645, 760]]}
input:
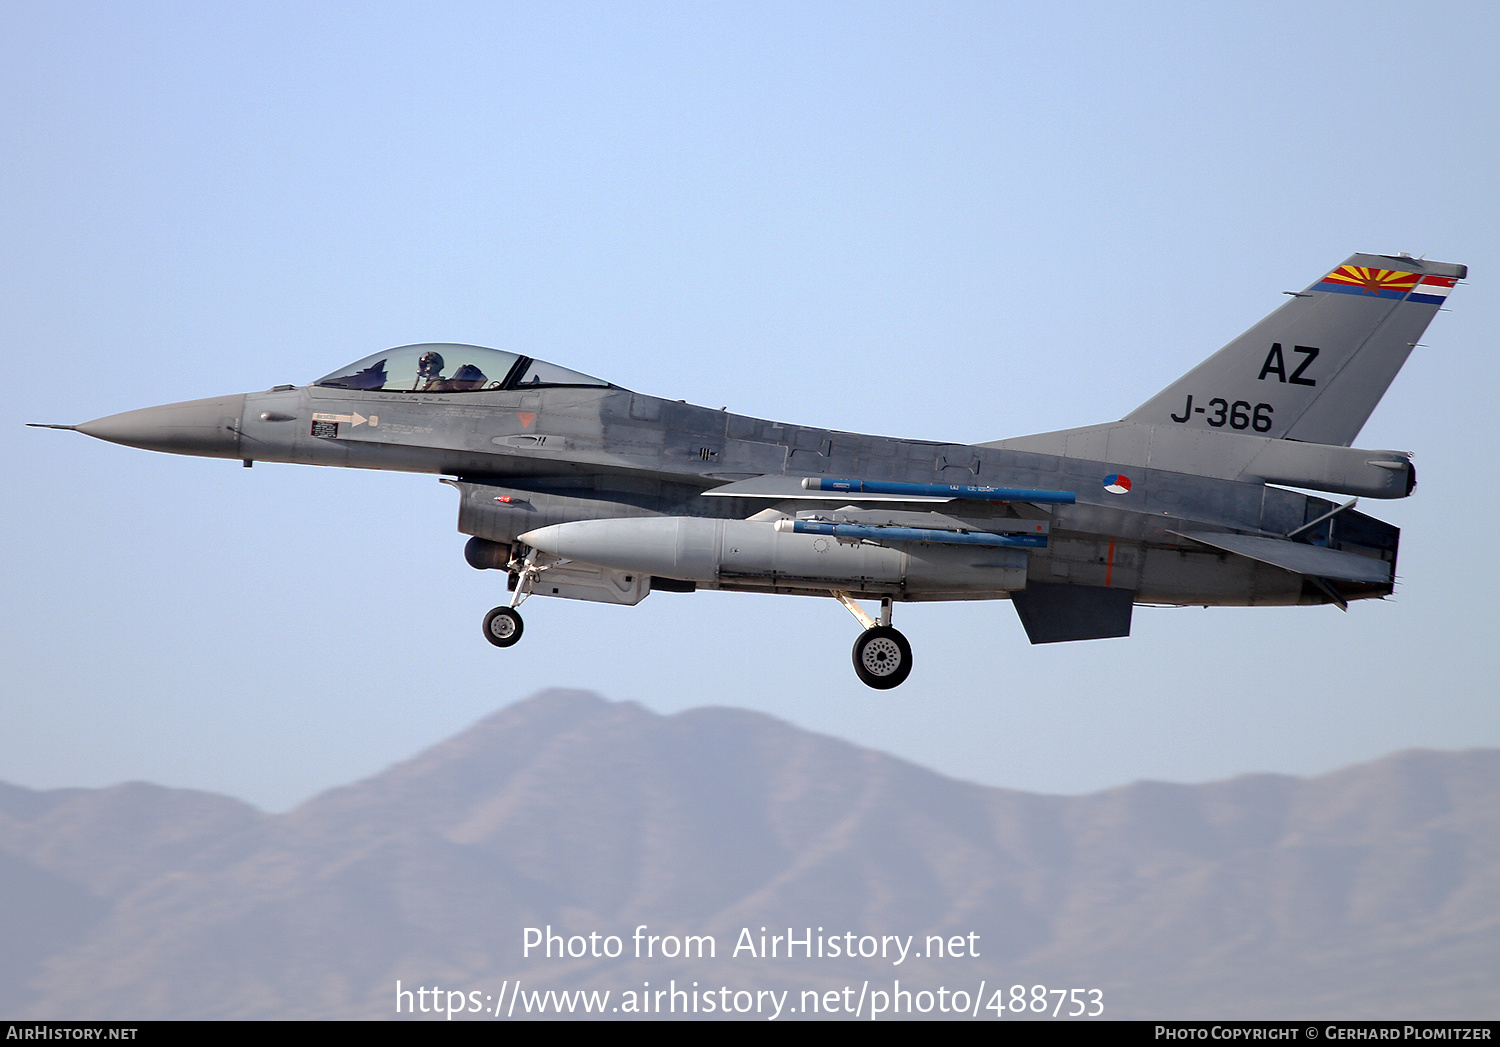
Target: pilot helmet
{"points": [[430, 365]]}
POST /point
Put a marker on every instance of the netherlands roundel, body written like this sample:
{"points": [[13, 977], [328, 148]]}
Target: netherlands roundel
{"points": [[1115, 483]]}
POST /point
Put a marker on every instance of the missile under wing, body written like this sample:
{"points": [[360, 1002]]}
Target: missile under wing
{"points": [[577, 488]]}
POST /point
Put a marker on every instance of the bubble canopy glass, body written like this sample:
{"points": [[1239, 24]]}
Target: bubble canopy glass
{"points": [[447, 367]]}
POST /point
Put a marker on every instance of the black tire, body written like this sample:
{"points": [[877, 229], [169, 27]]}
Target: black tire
{"points": [[882, 658], [502, 626]]}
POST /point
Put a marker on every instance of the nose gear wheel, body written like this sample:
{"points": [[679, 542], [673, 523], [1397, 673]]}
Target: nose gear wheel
{"points": [[502, 626]]}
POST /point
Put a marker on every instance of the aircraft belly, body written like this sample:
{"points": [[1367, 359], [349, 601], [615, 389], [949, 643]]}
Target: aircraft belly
{"points": [[1299, 558], [1094, 560], [934, 570], [1189, 577]]}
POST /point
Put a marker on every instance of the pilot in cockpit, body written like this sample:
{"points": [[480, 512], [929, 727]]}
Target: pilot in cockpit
{"points": [[430, 376], [429, 372], [419, 369]]}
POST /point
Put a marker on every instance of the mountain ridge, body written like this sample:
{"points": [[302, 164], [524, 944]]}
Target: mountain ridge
{"points": [[1221, 899]]}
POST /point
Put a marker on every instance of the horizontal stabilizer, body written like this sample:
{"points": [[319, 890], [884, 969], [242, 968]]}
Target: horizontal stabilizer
{"points": [[1297, 557], [1053, 612]]}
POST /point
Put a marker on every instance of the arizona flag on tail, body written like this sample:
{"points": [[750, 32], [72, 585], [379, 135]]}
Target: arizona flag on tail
{"points": [[1358, 279]]}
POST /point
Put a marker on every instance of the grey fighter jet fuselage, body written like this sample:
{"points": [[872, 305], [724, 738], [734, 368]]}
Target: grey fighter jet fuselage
{"points": [[580, 489]]}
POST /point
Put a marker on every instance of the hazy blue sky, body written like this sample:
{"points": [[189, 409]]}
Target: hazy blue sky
{"points": [[955, 221]]}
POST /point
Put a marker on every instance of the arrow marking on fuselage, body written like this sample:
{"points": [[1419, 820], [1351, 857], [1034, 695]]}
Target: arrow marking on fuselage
{"points": [[352, 419]]}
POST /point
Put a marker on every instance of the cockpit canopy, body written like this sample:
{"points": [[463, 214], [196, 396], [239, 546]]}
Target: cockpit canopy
{"points": [[446, 367]]}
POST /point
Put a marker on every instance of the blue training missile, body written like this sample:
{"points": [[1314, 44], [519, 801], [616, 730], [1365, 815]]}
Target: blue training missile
{"points": [[934, 536], [976, 493]]}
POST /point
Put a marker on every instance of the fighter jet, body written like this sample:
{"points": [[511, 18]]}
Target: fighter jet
{"points": [[577, 488]]}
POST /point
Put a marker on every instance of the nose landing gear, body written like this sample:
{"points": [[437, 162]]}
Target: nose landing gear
{"points": [[503, 625], [882, 657]]}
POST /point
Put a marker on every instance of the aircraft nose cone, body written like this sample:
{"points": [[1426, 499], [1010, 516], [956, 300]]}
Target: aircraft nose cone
{"points": [[210, 428]]}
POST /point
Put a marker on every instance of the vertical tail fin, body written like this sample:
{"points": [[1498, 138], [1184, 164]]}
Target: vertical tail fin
{"points": [[1315, 368]]}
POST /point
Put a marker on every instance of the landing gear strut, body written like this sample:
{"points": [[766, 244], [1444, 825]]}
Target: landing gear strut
{"points": [[882, 657], [503, 625]]}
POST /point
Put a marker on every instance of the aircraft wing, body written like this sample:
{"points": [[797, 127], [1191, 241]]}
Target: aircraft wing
{"points": [[1297, 557]]}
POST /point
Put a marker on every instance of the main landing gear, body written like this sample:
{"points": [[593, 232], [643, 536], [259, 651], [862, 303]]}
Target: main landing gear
{"points": [[882, 657], [503, 625]]}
